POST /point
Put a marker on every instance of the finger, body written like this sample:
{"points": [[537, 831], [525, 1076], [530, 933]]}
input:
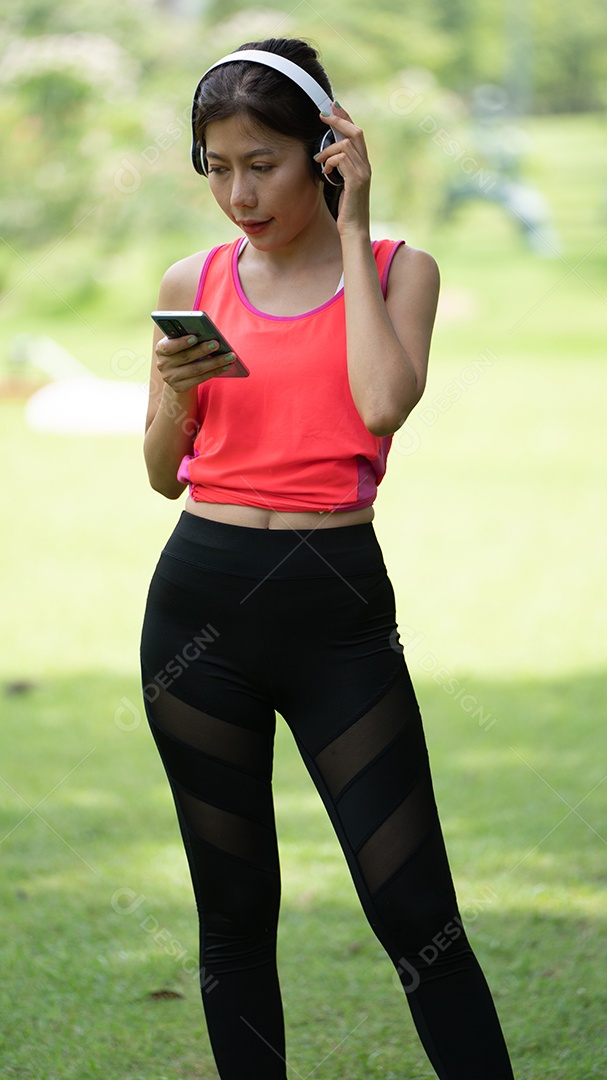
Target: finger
{"points": [[187, 344], [351, 142], [343, 147], [341, 121], [176, 368], [348, 159], [338, 110], [189, 375], [214, 364]]}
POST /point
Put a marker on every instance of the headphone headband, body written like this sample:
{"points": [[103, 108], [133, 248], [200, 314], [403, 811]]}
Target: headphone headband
{"points": [[280, 63], [269, 59]]}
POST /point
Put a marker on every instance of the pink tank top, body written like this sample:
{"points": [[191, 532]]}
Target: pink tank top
{"points": [[288, 437]]}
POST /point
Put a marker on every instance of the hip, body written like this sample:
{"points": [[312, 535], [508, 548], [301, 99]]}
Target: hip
{"points": [[289, 613]]}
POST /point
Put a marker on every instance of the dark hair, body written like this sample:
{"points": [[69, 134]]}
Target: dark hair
{"points": [[270, 98]]}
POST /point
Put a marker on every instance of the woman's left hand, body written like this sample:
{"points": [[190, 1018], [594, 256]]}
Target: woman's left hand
{"points": [[349, 155]]}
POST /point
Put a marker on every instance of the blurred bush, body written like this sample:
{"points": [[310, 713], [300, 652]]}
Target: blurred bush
{"points": [[95, 99]]}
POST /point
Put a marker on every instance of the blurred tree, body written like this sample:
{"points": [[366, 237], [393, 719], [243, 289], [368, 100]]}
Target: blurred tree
{"points": [[570, 61], [57, 89], [94, 117]]}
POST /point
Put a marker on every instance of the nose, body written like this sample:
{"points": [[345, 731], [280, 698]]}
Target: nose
{"points": [[243, 193]]}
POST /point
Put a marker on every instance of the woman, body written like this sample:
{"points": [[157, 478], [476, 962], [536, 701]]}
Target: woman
{"points": [[272, 594]]}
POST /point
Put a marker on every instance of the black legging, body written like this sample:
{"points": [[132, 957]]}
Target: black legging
{"points": [[241, 622]]}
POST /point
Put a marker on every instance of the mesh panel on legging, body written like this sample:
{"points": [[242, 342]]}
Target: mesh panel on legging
{"points": [[220, 776], [375, 778], [379, 765]]}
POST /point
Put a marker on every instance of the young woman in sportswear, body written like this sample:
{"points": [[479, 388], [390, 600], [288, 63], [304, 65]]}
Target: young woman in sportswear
{"points": [[271, 595]]}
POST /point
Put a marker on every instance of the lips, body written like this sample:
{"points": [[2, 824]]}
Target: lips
{"points": [[253, 227]]}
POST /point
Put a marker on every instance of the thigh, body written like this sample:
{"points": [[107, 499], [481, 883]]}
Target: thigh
{"points": [[209, 713], [336, 651], [200, 644]]}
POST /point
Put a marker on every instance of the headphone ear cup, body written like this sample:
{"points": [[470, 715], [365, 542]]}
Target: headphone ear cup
{"points": [[321, 145], [197, 152], [329, 139], [199, 159]]}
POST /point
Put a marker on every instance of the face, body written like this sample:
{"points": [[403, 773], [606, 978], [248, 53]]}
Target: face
{"points": [[262, 181]]}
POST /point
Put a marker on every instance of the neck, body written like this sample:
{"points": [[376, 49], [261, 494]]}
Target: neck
{"points": [[318, 243]]}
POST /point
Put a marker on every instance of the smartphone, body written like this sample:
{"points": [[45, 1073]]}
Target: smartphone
{"points": [[176, 324]]}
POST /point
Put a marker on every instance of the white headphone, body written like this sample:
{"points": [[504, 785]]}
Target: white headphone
{"points": [[294, 72]]}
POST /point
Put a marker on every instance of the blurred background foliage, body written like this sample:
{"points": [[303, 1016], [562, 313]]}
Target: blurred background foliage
{"points": [[95, 97]]}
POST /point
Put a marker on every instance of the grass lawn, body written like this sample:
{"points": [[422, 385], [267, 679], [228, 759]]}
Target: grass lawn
{"points": [[490, 519]]}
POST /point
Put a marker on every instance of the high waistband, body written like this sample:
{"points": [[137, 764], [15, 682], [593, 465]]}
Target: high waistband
{"points": [[348, 550]]}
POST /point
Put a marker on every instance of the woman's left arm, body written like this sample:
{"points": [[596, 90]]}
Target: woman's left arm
{"points": [[388, 340]]}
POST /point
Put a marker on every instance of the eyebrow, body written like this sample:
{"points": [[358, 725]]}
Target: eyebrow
{"points": [[250, 154]]}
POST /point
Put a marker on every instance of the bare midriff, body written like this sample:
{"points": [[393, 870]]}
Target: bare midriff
{"points": [[256, 517]]}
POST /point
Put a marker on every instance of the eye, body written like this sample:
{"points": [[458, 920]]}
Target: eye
{"points": [[215, 169], [261, 168]]}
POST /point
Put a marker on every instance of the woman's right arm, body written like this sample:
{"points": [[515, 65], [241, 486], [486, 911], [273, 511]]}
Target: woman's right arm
{"points": [[177, 370]]}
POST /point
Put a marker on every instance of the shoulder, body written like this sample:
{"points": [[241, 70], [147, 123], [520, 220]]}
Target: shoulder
{"points": [[180, 282], [413, 286], [412, 267]]}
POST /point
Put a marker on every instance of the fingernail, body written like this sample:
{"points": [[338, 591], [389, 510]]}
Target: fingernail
{"points": [[192, 340], [212, 345], [324, 113], [316, 156], [337, 105]]}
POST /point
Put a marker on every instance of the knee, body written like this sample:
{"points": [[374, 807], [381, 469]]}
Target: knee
{"points": [[419, 922], [238, 931], [446, 954], [239, 910]]}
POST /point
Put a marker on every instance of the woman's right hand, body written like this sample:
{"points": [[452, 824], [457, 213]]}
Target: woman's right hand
{"points": [[184, 363]]}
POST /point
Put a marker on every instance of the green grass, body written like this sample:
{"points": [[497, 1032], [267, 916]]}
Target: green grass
{"points": [[490, 520]]}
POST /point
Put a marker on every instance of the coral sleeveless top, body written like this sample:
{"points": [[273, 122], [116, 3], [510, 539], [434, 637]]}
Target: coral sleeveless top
{"points": [[288, 437]]}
